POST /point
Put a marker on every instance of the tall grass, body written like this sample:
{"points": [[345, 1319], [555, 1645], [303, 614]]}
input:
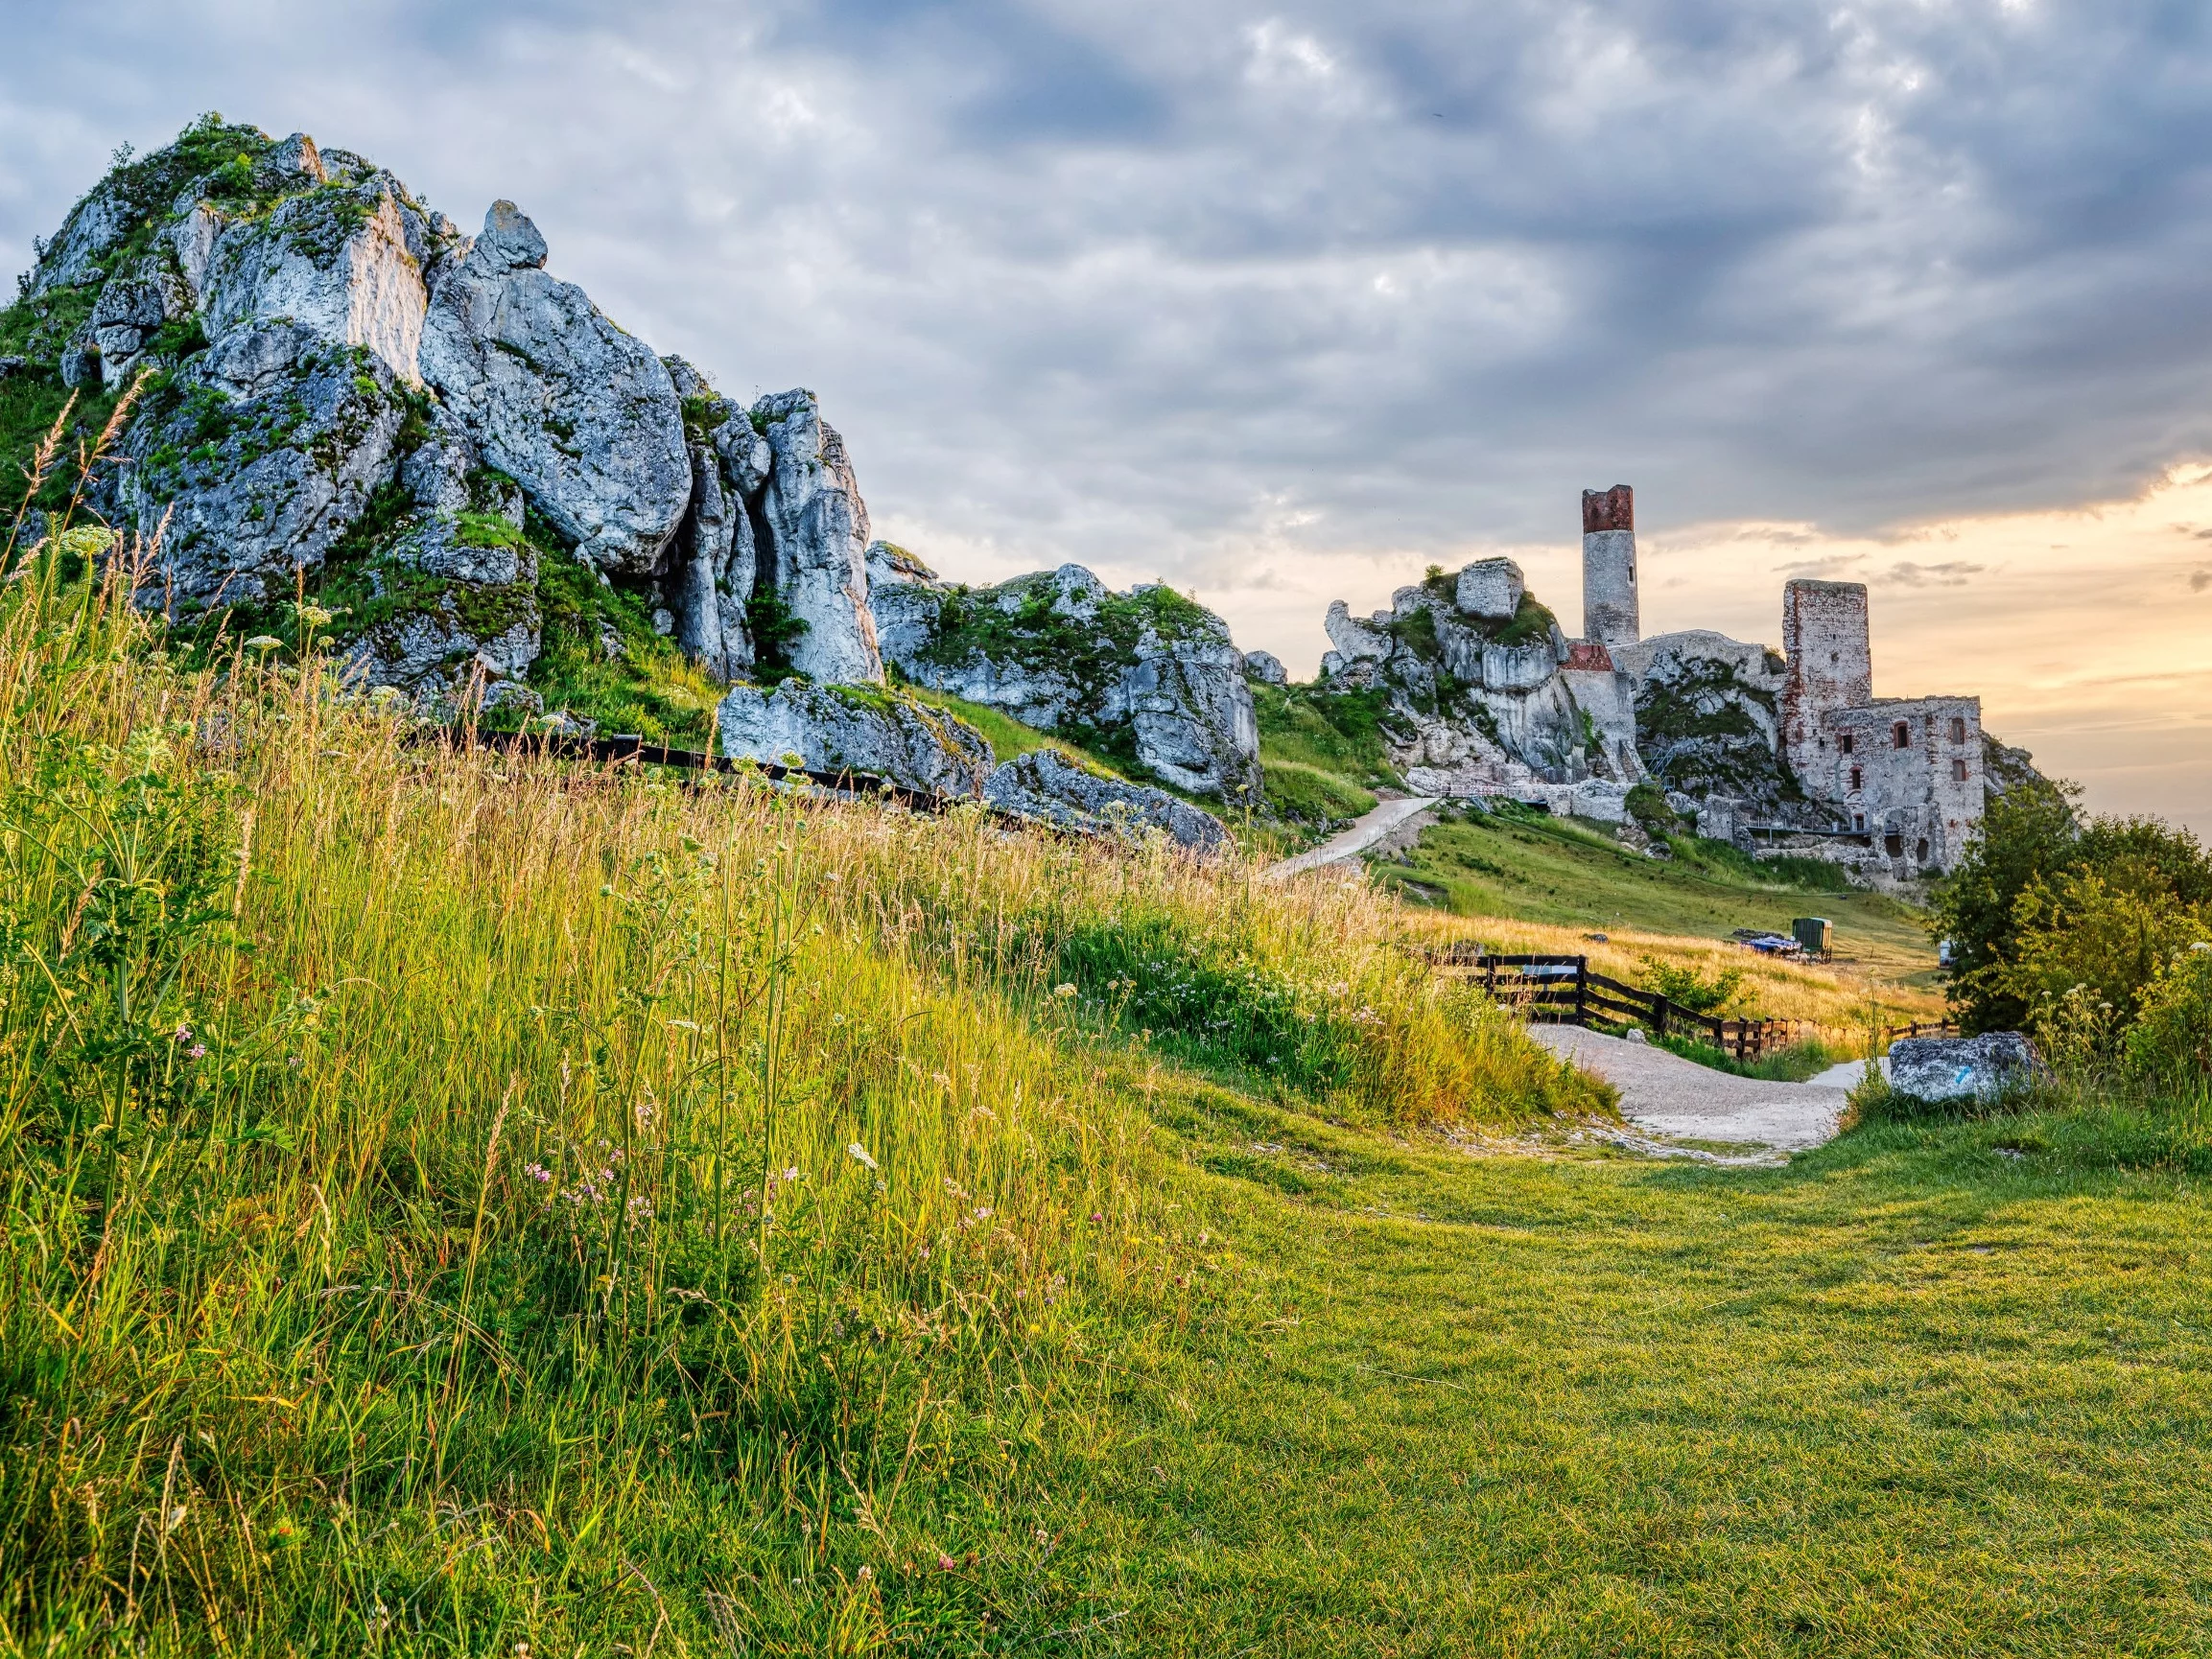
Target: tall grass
{"points": [[459, 1203]]}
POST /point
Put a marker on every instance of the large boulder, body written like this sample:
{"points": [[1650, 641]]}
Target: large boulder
{"points": [[855, 729], [1045, 785], [816, 527], [1987, 1069], [580, 412]]}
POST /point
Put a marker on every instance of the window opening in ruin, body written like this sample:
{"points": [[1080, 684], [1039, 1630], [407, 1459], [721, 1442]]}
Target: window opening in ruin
{"points": [[1892, 845], [1920, 851], [1958, 730], [1845, 742], [1855, 777], [1859, 821], [1900, 735], [1958, 771]]}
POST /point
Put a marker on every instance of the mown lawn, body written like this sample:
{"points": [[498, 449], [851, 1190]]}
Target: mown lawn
{"points": [[1908, 1395]]}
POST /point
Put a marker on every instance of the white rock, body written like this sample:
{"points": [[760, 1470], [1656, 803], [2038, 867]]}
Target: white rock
{"points": [[817, 536], [1047, 785], [309, 263], [1266, 667], [581, 414], [1988, 1067], [1356, 641], [842, 729]]}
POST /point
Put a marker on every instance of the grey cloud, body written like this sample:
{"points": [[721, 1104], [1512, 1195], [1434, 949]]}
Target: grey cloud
{"points": [[1090, 279], [1954, 573], [2200, 580]]}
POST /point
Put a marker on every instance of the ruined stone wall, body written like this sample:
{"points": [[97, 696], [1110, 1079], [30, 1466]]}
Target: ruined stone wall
{"points": [[1609, 612], [1908, 773], [1830, 666]]}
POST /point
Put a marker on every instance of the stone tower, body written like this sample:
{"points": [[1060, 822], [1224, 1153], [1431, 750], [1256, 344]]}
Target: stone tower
{"points": [[1609, 603], [1824, 635]]}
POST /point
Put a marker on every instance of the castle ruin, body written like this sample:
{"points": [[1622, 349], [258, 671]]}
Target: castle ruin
{"points": [[1773, 750], [1900, 777]]}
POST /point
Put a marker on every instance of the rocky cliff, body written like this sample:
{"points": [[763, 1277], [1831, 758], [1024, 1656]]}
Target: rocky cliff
{"points": [[487, 489], [1483, 695], [1149, 677], [479, 475]]}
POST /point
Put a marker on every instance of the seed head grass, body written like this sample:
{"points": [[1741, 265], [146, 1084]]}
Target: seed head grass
{"points": [[459, 1201]]}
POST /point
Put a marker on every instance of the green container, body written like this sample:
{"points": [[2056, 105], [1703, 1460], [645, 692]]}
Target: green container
{"points": [[1816, 933]]}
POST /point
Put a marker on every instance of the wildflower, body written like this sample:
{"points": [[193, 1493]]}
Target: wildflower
{"points": [[537, 1172], [1063, 991], [859, 1155], [944, 1563], [1097, 1217], [791, 1172], [982, 1212], [865, 1574], [183, 1034], [263, 643], [198, 1051], [294, 1062]]}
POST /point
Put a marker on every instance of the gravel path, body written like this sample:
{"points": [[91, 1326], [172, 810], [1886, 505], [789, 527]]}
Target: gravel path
{"points": [[1365, 832], [1675, 1099]]}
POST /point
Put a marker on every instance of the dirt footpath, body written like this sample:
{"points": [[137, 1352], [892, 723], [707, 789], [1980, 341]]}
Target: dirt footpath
{"points": [[1677, 1099], [1386, 817]]}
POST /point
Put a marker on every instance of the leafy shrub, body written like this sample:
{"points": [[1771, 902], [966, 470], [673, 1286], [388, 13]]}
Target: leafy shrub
{"points": [[1683, 985], [2172, 1038], [2089, 945]]}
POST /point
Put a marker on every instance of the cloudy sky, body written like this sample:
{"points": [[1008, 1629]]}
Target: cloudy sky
{"points": [[1284, 302]]}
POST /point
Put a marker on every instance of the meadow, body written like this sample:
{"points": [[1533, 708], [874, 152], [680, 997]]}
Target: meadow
{"points": [[461, 1203]]}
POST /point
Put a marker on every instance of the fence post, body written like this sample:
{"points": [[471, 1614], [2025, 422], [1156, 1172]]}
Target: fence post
{"points": [[1581, 991], [1659, 1016]]}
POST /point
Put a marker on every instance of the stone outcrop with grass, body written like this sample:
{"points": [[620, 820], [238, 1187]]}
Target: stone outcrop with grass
{"points": [[866, 729], [1478, 693], [1149, 677], [479, 483]]}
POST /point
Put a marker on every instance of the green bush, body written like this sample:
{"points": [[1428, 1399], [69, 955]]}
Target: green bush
{"points": [[1683, 985], [2172, 1039]]}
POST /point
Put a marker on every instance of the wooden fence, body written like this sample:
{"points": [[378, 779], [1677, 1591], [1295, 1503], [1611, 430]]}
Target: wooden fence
{"points": [[1562, 990]]}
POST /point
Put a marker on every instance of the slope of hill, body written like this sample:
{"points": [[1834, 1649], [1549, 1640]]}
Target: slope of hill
{"points": [[1529, 866]]}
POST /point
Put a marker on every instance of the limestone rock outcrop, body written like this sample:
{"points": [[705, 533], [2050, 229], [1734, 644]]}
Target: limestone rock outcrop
{"points": [[818, 540], [343, 392], [581, 414], [255, 459], [855, 729], [1484, 697], [1047, 785], [1148, 670]]}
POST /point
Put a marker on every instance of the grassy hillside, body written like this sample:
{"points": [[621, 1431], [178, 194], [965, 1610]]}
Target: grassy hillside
{"points": [[454, 1202], [459, 1204], [1527, 867]]}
